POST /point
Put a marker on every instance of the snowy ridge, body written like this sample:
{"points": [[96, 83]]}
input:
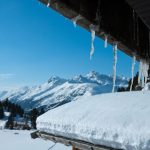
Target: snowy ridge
{"points": [[58, 91], [118, 120]]}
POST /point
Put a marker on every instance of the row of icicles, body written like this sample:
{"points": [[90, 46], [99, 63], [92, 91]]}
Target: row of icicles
{"points": [[143, 65]]}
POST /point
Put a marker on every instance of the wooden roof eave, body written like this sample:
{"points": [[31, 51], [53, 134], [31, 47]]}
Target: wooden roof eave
{"points": [[69, 142], [85, 24], [123, 44]]}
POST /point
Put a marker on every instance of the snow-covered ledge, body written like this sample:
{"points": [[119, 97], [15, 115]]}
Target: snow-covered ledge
{"points": [[118, 120]]}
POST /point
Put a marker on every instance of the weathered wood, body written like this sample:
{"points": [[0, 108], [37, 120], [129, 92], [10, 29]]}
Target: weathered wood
{"points": [[73, 148], [34, 135], [78, 144]]}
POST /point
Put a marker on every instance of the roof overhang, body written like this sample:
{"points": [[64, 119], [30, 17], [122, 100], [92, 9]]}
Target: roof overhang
{"points": [[119, 20]]}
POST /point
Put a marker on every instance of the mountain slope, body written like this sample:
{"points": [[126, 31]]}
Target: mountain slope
{"points": [[58, 91]]}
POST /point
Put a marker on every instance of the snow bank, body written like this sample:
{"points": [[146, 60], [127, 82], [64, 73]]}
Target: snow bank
{"points": [[119, 120]]}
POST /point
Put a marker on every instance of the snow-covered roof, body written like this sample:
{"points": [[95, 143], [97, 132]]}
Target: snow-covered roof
{"points": [[118, 120]]}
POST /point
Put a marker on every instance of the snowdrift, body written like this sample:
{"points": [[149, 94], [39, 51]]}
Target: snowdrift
{"points": [[119, 120]]}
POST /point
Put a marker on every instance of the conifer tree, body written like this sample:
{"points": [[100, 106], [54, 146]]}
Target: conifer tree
{"points": [[33, 116], [10, 122], [1, 111]]}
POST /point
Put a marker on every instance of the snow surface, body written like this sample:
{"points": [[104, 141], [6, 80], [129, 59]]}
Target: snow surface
{"points": [[59, 91], [119, 120], [21, 140]]}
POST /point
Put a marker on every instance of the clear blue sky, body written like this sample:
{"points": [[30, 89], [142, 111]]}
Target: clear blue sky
{"points": [[36, 43]]}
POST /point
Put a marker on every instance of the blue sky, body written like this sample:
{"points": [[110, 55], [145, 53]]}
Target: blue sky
{"points": [[36, 43]]}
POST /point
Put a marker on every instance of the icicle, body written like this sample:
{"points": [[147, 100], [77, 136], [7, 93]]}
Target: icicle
{"points": [[76, 19], [93, 29], [140, 73], [147, 72], [143, 82], [49, 3], [132, 72], [144, 72], [92, 43], [115, 48], [106, 41]]}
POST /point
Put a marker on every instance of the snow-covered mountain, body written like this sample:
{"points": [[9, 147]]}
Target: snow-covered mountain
{"points": [[58, 91]]}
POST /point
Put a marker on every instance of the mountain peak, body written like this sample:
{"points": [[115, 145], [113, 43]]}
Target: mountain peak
{"points": [[58, 91], [92, 74], [54, 79]]}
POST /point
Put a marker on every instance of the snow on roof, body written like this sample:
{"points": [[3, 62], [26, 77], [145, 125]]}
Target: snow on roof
{"points": [[118, 120]]}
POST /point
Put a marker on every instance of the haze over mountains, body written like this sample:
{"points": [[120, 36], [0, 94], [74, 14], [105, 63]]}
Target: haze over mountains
{"points": [[57, 91]]}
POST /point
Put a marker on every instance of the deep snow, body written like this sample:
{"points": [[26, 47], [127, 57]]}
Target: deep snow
{"points": [[21, 140], [119, 120]]}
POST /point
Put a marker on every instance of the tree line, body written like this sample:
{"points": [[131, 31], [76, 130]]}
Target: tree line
{"points": [[1, 111], [16, 110]]}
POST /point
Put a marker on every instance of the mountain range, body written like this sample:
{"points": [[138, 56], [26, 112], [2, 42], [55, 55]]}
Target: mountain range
{"points": [[58, 91]]}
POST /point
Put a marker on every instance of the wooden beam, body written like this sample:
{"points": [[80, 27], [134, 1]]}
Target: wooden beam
{"points": [[73, 148], [76, 144]]}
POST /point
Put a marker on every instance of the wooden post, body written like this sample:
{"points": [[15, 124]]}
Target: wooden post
{"points": [[73, 148]]}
